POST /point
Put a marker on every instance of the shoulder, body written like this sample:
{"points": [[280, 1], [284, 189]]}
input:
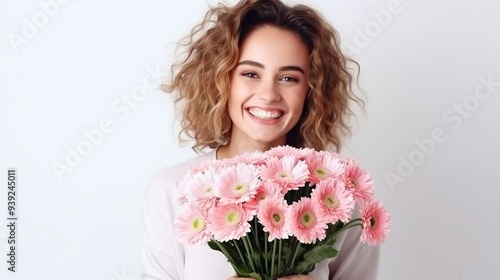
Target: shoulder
{"points": [[165, 181], [177, 171]]}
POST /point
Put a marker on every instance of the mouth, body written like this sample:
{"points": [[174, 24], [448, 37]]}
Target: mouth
{"points": [[265, 114]]}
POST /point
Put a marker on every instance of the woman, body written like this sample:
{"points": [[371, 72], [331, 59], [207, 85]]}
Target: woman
{"points": [[257, 75]]}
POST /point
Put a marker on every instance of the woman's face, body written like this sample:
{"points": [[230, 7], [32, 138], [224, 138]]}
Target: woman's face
{"points": [[268, 87]]}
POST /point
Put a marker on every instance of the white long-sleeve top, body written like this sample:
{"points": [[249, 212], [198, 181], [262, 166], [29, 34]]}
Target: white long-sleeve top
{"points": [[164, 258]]}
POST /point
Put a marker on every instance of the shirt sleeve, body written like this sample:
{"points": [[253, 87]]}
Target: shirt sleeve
{"points": [[355, 260], [161, 256]]}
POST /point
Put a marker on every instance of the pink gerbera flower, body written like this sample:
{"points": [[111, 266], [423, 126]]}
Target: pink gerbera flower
{"points": [[255, 158], [201, 188], [334, 202], [272, 215], [266, 189], [229, 221], [358, 181], [203, 166], [288, 171], [238, 183], [304, 222], [324, 165], [184, 186], [282, 151], [375, 223], [191, 226], [181, 192]]}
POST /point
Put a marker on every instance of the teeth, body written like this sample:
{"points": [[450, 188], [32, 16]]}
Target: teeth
{"points": [[265, 115]]}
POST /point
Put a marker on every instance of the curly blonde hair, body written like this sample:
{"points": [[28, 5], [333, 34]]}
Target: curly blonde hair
{"points": [[201, 78]]}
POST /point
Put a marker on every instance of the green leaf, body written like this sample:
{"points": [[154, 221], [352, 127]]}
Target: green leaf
{"points": [[255, 276], [228, 250], [314, 256], [214, 246], [320, 253], [243, 272]]}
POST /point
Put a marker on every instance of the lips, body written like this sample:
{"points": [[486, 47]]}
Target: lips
{"points": [[265, 114]]}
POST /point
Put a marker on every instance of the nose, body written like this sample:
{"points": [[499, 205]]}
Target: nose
{"points": [[269, 91]]}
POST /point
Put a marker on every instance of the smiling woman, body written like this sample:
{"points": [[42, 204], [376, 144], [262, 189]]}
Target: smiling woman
{"points": [[256, 75], [268, 90]]}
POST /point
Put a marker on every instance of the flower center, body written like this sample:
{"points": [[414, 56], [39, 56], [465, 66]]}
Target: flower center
{"points": [[208, 190], [276, 217], [198, 224], [239, 188], [233, 217], [321, 173], [285, 176], [331, 201], [261, 196], [352, 184], [307, 219]]}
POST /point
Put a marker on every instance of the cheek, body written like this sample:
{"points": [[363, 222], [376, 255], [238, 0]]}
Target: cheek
{"points": [[298, 102], [234, 104], [235, 91], [298, 107], [231, 107], [233, 95], [239, 94]]}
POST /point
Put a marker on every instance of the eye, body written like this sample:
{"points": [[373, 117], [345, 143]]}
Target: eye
{"points": [[289, 79], [249, 74]]}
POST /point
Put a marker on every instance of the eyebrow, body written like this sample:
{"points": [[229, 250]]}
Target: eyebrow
{"points": [[260, 65]]}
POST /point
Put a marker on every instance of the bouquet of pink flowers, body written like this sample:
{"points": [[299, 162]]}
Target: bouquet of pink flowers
{"points": [[277, 213]]}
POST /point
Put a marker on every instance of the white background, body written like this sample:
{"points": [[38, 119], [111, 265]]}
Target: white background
{"points": [[74, 69]]}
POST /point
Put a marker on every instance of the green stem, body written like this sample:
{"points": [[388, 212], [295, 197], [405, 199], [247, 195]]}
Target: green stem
{"points": [[266, 261], [279, 254], [295, 253], [249, 249], [256, 231], [273, 257], [331, 238], [350, 224], [235, 242]]}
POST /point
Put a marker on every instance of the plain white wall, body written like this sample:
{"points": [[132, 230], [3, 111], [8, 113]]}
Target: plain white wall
{"points": [[430, 70]]}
